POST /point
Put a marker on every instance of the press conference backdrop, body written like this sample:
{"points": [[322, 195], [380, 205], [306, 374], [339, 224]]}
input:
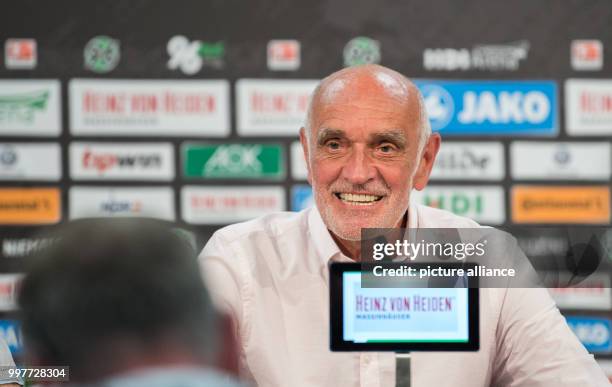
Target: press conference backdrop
{"points": [[189, 111]]}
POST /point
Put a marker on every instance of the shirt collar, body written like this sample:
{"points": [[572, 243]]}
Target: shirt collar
{"points": [[324, 244]]}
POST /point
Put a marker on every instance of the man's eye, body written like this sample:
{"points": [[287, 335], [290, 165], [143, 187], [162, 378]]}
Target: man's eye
{"points": [[386, 148], [333, 145]]}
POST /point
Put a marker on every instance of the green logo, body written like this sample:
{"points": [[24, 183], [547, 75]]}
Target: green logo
{"points": [[22, 108], [102, 54], [212, 53], [190, 56], [234, 161], [360, 51], [458, 204]]}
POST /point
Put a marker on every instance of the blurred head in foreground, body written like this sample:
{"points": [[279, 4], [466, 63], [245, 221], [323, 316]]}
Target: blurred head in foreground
{"points": [[114, 296]]}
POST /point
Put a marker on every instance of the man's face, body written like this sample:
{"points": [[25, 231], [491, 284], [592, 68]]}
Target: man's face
{"points": [[363, 156]]}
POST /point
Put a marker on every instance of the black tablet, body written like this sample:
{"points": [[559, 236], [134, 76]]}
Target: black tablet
{"points": [[402, 318]]}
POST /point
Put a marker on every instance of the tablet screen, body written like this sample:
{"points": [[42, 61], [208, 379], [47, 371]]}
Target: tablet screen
{"points": [[400, 318]]}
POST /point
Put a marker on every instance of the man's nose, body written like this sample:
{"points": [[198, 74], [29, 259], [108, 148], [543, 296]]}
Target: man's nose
{"points": [[358, 169]]}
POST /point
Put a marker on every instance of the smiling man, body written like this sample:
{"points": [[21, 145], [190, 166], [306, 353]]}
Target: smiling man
{"points": [[368, 144]]}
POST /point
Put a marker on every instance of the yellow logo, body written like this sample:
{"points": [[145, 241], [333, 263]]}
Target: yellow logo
{"points": [[30, 205], [561, 204]]}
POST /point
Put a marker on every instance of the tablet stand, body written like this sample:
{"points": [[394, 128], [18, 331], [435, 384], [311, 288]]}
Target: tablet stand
{"points": [[402, 369]]}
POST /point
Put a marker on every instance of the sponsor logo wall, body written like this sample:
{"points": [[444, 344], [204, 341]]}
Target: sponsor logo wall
{"points": [[121, 161], [534, 160], [491, 108], [149, 107], [588, 107], [484, 204], [30, 108], [234, 161], [592, 293], [272, 107], [202, 128], [154, 202], [30, 161], [470, 161], [595, 333], [225, 204], [561, 204]]}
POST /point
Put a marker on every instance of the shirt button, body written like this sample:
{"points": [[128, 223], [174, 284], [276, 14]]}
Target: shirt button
{"points": [[366, 359]]}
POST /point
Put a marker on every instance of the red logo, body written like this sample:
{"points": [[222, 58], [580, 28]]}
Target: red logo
{"points": [[20, 53], [283, 55], [587, 55]]}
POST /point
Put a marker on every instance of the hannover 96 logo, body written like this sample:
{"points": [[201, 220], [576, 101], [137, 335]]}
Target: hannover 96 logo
{"points": [[101, 54]]}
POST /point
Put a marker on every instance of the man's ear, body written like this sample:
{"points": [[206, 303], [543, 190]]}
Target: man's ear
{"points": [[426, 162], [304, 141]]}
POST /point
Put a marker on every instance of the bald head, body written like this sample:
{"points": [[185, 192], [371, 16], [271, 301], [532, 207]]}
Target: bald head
{"points": [[373, 80]]}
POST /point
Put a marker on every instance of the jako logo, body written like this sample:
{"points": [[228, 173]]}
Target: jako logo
{"points": [[532, 107], [104, 161], [491, 107], [121, 206]]}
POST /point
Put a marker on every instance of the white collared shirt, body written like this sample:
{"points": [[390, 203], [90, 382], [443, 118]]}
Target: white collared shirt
{"points": [[271, 274]]}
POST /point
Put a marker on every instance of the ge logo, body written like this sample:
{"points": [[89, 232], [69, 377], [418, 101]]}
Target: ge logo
{"points": [[184, 55]]}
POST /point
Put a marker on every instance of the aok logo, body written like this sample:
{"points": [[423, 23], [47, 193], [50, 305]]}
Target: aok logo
{"points": [[121, 206], [233, 159], [105, 161]]}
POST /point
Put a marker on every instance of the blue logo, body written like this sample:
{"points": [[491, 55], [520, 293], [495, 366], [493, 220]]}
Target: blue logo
{"points": [[491, 107], [10, 331], [594, 332], [439, 105], [301, 197]]}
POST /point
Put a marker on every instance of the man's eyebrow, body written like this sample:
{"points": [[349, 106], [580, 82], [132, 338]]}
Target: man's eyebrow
{"points": [[397, 137], [327, 133]]}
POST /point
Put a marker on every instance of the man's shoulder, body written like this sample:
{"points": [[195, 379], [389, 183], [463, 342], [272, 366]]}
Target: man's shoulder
{"points": [[429, 217]]}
